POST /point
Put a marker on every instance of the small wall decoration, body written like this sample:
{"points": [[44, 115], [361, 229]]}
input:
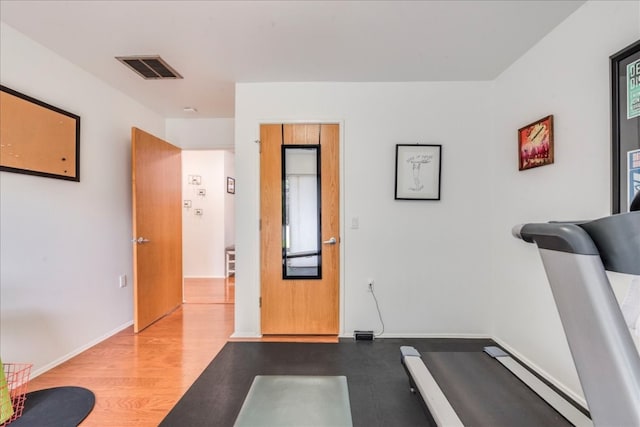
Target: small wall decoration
{"points": [[418, 171], [201, 192], [535, 144], [231, 185], [194, 179], [198, 212], [186, 204], [38, 138]]}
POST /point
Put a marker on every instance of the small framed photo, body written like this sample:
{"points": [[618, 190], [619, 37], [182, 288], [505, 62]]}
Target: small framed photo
{"points": [[535, 144], [231, 185], [418, 171]]}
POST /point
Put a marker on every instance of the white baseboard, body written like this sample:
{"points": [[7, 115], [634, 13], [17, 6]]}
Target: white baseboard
{"points": [[245, 335], [420, 335], [79, 350]]}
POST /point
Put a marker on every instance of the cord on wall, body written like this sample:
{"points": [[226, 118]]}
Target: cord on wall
{"points": [[377, 308]]}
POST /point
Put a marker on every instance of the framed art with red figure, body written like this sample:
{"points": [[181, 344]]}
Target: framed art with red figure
{"points": [[535, 144]]}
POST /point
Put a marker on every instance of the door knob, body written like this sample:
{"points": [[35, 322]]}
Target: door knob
{"points": [[140, 240], [331, 241]]}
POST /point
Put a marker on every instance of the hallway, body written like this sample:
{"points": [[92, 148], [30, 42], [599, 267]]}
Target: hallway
{"points": [[206, 290]]}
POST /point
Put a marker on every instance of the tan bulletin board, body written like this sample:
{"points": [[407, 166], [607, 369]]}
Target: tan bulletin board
{"points": [[37, 138]]}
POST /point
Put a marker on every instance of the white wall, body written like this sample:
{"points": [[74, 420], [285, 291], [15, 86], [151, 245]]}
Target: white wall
{"points": [[201, 134], [429, 259], [204, 236], [229, 202], [64, 244], [567, 75]]}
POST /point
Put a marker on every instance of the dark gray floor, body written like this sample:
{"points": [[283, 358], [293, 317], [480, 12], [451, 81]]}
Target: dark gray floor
{"points": [[481, 390]]}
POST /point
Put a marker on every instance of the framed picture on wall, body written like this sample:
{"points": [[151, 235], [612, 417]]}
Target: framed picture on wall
{"points": [[418, 171], [535, 144], [625, 127], [231, 185]]}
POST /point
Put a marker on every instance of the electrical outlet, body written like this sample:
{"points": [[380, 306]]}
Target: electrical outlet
{"points": [[363, 335], [123, 280], [370, 285]]}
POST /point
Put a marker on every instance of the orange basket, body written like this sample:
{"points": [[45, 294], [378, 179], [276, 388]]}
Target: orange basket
{"points": [[17, 375]]}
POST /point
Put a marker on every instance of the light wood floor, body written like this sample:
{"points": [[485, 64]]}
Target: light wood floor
{"points": [[209, 290], [138, 378]]}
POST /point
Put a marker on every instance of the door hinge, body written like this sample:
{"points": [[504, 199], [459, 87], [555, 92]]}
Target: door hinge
{"points": [[260, 302], [257, 141]]}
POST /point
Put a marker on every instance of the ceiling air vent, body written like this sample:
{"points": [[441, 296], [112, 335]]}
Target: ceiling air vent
{"points": [[149, 67]]}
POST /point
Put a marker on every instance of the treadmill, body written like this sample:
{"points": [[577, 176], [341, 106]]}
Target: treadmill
{"points": [[575, 256]]}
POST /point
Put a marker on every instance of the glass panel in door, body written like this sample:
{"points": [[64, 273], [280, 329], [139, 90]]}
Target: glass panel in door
{"points": [[301, 231]]}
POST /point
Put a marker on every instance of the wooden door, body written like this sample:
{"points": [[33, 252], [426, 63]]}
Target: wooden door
{"points": [[299, 306], [157, 227]]}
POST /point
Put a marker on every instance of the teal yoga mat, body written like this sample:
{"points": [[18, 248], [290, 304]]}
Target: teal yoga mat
{"points": [[296, 400]]}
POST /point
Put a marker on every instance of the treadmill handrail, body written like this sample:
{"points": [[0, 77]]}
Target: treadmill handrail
{"points": [[615, 239], [561, 237]]}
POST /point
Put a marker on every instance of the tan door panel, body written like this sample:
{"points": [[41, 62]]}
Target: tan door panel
{"points": [[157, 226], [299, 306]]}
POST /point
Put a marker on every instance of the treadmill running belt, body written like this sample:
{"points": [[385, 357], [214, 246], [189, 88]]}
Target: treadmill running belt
{"points": [[484, 393]]}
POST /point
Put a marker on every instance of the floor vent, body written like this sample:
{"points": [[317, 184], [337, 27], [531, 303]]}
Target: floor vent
{"points": [[150, 67]]}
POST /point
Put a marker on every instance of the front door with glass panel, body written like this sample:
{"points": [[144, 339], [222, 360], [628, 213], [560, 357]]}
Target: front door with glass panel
{"points": [[300, 229]]}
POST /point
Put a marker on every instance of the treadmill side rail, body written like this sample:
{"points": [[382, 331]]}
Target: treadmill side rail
{"points": [[559, 403], [434, 398]]}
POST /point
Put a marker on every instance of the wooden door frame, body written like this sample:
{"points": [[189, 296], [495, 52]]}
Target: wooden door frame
{"points": [[341, 215]]}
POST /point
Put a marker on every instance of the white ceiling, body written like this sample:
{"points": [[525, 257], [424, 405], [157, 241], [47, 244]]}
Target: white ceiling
{"points": [[215, 44]]}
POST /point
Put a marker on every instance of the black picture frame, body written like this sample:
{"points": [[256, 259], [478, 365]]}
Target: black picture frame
{"points": [[418, 171], [231, 185], [625, 124], [38, 138]]}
